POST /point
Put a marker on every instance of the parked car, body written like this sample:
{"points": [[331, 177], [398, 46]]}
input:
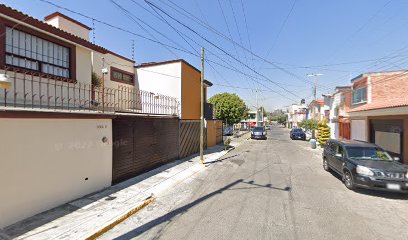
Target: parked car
{"points": [[267, 127], [365, 165], [258, 133], [228, 131], [297, 133]]}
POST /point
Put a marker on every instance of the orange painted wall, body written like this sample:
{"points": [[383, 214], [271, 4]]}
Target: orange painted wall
{"points": [[190, 93], [211, 133]]}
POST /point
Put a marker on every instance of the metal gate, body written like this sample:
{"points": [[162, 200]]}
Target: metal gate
{"points": [[141, 144]]}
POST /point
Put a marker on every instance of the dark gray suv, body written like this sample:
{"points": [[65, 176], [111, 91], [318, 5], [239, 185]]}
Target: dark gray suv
{"points": [[365, 165]]}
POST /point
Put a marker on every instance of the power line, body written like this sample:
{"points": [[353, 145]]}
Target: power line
{"points": [[229, 32], [219, 48], [114, 26], [281, 29], [360, 28], [210, 28], [132, 17], [232, 68]]}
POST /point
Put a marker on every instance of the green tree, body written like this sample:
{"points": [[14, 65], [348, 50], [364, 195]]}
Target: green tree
{"points": [[310, 124], [281, 119], [229, 107]]}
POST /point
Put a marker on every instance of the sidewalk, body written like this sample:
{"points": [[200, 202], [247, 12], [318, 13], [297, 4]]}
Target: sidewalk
{"points": [[86, 217]]}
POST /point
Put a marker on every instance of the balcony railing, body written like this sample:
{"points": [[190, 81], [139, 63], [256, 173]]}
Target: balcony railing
{"points": [[45, 92]]}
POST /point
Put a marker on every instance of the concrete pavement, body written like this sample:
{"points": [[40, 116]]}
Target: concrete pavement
{"points": [[273, 189], [92, 214]]}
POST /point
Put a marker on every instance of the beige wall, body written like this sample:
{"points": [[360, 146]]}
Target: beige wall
{"points": [[113, 61], [44, 163], [83, 65], [69, 26], [124, 95]]}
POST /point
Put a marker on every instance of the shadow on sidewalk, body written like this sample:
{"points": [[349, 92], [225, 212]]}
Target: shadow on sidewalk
{"points": [[88, 201], [168, 216]]}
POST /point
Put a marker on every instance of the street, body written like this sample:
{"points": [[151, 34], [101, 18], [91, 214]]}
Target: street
{"points": [[272, 189]]}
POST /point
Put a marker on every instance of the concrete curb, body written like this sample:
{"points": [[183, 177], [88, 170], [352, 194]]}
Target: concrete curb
{"points": [[122, 218]]}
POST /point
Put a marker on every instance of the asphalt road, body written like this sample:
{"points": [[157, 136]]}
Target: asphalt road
{"points": [[268, 189]]}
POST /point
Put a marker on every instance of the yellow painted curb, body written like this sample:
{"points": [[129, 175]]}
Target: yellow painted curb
{"points": [[121, 219]]}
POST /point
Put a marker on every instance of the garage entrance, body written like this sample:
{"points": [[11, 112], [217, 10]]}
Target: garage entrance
{"points": [[141, 144], [388, 134]]}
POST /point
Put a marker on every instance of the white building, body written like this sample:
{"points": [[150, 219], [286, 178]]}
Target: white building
{"points": [[296, 114]]}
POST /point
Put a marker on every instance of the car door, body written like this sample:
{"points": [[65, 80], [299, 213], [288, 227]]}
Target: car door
{"points": [[338, 158], [330, 153]]}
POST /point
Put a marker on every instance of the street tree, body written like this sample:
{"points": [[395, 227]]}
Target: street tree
{"points": [[281, 119], [310, 124], [229, 107]]}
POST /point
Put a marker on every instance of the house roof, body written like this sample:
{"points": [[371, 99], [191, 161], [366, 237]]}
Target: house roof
{"points": [[393, 72], [319, 102], [19, 16], [390, 103], [151, 64], [58, 14]]}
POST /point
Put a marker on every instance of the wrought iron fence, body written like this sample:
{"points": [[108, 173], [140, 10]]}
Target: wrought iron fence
{"points": [[39, 91]]}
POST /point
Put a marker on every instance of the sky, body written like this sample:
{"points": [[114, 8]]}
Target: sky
{"points": [[259, 49]]}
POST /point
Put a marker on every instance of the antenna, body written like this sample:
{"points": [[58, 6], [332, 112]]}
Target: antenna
{"points": [[133, 50], [93, 31]]}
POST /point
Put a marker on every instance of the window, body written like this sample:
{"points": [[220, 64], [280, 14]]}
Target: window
{"points": [[360, 95], [33, 53], [121, 76], [340, 150]]}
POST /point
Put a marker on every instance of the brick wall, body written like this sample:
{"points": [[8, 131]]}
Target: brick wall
{"points": [[391, 86]]}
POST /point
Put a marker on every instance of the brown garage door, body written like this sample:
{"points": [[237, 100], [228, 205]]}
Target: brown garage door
{"points": [[141, 144]]}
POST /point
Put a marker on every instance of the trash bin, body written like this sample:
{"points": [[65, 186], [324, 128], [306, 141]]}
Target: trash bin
{"points": [[313, 143]]}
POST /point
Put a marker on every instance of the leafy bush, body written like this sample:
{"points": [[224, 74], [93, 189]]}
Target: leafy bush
{"points": [[96, 80]]}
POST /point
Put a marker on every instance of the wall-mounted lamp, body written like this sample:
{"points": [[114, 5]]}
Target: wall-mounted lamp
{"points": [[4, 81]]}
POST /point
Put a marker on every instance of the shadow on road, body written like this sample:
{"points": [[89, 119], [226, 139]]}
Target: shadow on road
{"points": [[139, 230], [221, 159]]}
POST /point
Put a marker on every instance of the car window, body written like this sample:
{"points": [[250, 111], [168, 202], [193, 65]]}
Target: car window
{"points": [[258, 129], [330, 146], [340, 150], [368, 153]]}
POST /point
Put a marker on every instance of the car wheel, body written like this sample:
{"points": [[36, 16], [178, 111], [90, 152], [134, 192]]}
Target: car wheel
{"points": [[348, 180], [326, 165]]}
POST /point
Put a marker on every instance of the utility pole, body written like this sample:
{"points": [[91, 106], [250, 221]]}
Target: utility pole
{"points": [[315, 75], [202, 109], [257, 109]]}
